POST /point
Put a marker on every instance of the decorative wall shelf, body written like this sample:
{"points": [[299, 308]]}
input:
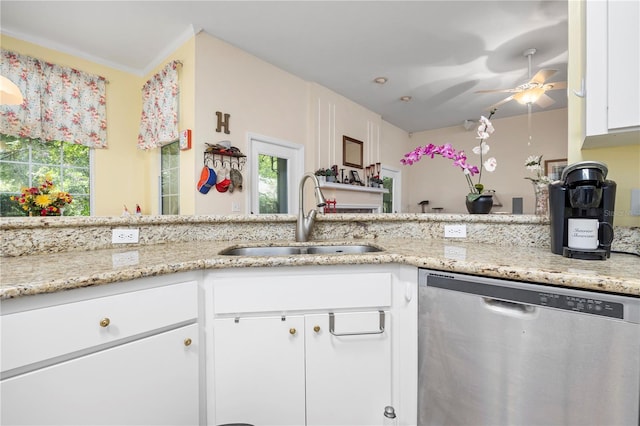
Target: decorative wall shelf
{"points": [[347, 187], [224, 159]]}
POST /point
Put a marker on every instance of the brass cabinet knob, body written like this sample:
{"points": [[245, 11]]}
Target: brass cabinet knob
{"points": [[292, 331], [316, 329], [104, 322], [187, 341]]}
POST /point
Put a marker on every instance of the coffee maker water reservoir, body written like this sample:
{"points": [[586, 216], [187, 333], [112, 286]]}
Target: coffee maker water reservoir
{"points": [[583, 192]]}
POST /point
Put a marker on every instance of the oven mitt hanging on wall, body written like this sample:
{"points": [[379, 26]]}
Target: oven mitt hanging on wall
{"points": [[236, 180], [207, 179]]}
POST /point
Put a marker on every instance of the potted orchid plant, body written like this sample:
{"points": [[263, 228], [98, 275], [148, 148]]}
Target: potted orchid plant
{"points": [[459, 158]]}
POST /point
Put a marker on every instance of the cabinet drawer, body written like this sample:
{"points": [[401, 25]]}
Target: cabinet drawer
{"points": [[37, 335], [277, 293]]}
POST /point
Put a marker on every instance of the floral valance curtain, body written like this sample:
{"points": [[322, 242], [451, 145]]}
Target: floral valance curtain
{"points": [[60, 103], [159, 120]]}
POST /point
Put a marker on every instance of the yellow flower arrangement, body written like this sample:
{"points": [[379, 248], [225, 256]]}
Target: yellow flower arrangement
{"points": [[43, 200]]}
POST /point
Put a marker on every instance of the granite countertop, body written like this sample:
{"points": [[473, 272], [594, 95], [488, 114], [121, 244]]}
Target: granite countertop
{"points": [[47, 273]]}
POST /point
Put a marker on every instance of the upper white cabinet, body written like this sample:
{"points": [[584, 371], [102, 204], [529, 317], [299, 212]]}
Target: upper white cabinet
{"points": [[612, 73]]}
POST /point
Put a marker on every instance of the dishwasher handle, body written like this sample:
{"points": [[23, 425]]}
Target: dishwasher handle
{"points": [[508, 308]]}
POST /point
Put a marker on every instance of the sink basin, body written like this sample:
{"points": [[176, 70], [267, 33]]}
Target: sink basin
{"points": [[347, 249], [261, 251], [288, 250]]}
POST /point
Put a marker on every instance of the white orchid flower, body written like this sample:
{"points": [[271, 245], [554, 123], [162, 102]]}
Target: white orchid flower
{"points": [[484, 146], [490, 165]]}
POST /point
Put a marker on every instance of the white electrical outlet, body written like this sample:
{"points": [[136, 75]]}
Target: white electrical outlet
{"points": [[455, 231], [125, 235], [235, 206]]}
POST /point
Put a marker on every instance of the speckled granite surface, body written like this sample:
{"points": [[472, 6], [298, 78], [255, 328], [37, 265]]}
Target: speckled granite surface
{"points": [[59, 271], [51, 254]]}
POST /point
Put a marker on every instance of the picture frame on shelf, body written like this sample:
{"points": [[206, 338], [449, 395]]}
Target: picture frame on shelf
{"points": [[553, 168], [355, 178]]}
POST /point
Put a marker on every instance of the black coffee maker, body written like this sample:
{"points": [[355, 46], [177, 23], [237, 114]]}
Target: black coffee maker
{"points": [[582, 192]]}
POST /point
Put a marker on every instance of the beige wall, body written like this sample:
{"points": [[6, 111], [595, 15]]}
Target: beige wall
{"points": [[445, 186], [260, 98]]}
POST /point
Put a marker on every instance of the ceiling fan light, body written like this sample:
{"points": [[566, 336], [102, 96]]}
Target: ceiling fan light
{"points": [[529, 96]]}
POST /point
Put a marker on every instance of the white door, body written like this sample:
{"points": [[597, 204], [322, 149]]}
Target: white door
{"points": [[276, 168], [391, 180], [259, 371], [348, 376], [153, 381]]}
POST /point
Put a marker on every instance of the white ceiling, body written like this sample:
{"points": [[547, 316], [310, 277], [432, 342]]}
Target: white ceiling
{"points": [[437, 52]]}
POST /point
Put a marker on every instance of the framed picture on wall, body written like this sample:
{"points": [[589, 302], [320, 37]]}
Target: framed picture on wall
{"points": [[553, 168]]}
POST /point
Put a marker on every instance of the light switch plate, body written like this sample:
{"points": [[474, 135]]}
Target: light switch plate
{"points": [[455, 231]]}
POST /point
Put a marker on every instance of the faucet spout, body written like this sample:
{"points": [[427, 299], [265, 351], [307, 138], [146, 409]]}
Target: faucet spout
{"points": [[305, 223]]}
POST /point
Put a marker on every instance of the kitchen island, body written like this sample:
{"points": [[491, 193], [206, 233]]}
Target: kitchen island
{"points": [[77, 307]]}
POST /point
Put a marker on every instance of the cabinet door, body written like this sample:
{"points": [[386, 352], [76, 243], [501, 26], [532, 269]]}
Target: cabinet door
{"points": [[349, 376], [259, 371], [152, 381]]}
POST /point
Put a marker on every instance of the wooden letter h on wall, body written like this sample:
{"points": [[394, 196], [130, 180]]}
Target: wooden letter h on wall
{"points": [[223, 122]]}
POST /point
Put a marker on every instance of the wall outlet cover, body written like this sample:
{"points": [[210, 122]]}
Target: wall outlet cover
{"points": [[125, 236], [455, 231]]}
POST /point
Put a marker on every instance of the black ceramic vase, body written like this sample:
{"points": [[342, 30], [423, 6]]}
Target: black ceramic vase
{"points": [[481, 205]]}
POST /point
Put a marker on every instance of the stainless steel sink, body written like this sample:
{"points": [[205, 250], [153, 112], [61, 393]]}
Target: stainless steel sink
{"points": [[289, 250], [260, 251], [347, 249]]}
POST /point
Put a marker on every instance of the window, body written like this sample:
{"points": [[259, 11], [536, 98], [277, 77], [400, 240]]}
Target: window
{"points": [[23, 162], [276, 166], [170, 178]]}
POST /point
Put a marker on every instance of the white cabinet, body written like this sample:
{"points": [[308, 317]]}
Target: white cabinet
{"points": [[259, 371], [151, 381], [268, 369], [348, 374], [311, 346], [121, 354], [612, 31]]}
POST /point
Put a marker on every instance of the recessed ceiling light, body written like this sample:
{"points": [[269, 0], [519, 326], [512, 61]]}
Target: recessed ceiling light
{"points": [[405, 98], [380, 80]]}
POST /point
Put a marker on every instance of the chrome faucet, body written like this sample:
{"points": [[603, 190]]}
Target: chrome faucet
{"points": [[304, 224]]}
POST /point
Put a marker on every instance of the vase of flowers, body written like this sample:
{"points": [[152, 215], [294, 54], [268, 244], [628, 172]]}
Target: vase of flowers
{"points": [[477, 201], [540, 184], [44, 199]]}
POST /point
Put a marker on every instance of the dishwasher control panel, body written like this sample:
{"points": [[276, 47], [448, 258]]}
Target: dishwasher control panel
{"points": [[535, 295], [581, 304]]}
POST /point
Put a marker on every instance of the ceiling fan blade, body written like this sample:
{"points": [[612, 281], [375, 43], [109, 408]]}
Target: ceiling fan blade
{"points": [[544, 101], [542, 75], [498, 91], [555, 85], [504, 101]]}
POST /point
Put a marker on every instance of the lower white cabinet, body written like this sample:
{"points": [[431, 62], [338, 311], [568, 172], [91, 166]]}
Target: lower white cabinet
{"points": [[269, 369], [123, 354], [151, 381], [311, 345]]}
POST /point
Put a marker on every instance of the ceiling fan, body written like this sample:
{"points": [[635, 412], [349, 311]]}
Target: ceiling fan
{"points": [[533, 91]]}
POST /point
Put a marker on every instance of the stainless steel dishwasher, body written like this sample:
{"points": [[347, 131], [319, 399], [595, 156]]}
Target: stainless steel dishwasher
{"points": [[498, 352]]}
